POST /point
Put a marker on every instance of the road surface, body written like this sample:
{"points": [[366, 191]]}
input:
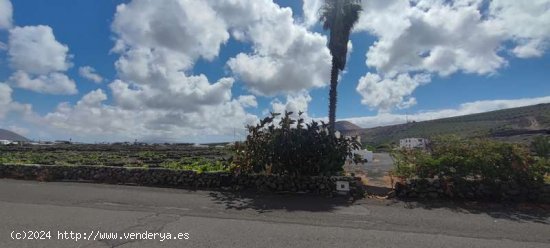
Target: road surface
{"points": [[218, 219]]}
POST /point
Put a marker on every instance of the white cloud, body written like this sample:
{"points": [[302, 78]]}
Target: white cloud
{"points": [[440, 37], [189, 94], [93, 99], [5, 97], [6, 14], [385, 93], [159, 42], [35, 50], [286, 57], [296, 70], [90, 117], [248, 101], [446, 37], [39, 61], [52, 83], [8, 105], [295, 103], [170, 33], [89, 73], [157, 96], [311, 11], [383, 119], [526, 23], [530, 48]]}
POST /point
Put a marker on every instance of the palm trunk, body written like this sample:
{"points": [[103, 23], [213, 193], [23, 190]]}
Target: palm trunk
{"points": [[332, 96]]}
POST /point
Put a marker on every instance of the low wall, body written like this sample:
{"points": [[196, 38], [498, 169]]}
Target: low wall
{"points": [[471, 189], [161, 177]]}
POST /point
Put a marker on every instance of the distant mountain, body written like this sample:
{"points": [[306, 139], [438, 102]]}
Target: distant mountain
{"points": [[514, 125], [9, 135], [344, 126]]}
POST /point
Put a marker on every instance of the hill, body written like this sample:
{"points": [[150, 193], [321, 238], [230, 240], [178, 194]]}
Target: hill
{"points": [[9, 135], [344, 126], [514, 125]]}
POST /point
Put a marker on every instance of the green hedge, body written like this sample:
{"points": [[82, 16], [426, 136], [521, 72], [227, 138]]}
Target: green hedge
{"points": [[476, 159]]}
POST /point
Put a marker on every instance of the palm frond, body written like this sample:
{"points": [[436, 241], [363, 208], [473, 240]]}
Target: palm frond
{"points": [[339, 16]]}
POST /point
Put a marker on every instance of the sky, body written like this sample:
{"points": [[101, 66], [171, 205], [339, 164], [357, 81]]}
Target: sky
{"points": [[200, 71]]}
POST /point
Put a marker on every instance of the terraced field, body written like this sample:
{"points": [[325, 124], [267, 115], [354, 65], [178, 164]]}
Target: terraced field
{"points": [[116, 155]]}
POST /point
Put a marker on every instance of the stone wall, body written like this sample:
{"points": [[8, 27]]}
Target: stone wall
{"points": [[471, 189], [160, 177]]}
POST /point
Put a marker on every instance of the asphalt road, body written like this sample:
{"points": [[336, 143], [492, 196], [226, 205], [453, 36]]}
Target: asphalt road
{"points": [[218, 219]]}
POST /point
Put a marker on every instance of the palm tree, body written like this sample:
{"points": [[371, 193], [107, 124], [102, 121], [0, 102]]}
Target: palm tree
{"points": [[338, 16]]}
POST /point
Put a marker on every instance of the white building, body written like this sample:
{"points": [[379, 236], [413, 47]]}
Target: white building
{"points": [[411, 143], [5, 142]]}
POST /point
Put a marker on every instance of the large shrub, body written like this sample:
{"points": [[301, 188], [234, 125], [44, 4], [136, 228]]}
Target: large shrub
{"points": [[541, 146], [291, 147], [452, 157]]}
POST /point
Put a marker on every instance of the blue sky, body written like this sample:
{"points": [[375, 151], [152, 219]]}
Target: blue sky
{"points": [[422, 64]]}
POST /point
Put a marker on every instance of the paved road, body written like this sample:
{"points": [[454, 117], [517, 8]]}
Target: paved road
{"points": [[217, 219]]}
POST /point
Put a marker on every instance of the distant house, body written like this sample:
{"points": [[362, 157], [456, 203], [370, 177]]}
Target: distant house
{"points": [[412, 143], [64, 142], [6, 142]]}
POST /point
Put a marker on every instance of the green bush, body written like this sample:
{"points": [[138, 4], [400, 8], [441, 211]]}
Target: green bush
{"points": [[541, 146], [414, 163], [383, 148], [292, 148], [369, 147], [543, 164], [452, 157]]}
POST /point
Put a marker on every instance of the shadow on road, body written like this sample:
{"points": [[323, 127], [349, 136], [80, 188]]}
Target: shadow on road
{"points": [[521, 212], [268, 203]]}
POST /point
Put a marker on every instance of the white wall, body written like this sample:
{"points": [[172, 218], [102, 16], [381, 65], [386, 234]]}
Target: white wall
{"points": [[413, 143]]}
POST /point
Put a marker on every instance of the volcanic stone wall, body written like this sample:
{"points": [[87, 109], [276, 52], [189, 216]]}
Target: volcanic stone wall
{"points": [[472, 190], [161, 177]]}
